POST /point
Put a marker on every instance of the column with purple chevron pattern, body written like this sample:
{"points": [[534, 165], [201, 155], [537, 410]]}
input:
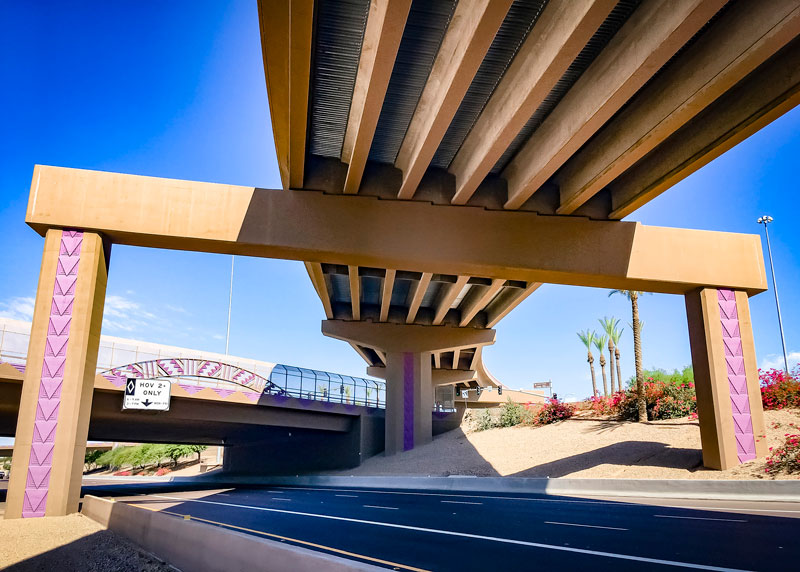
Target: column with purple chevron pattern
{"points": [[52, 378], [737, 378]]}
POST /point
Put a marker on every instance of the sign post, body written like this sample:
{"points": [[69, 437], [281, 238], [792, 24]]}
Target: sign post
{"points": [[543, 385], [152, 394]]}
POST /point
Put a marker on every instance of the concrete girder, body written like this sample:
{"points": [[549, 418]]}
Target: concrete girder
{"points": [[766, 94], [468, 37], [654, 33], [385, 24], [365, 231], [314, 270], [451, 293], [286, 49], [562, 31], [386, 293], [743, 38]]}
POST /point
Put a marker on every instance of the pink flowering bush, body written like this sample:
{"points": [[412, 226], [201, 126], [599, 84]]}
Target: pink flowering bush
{"points": [[667, 395], [785, 458], [161, 472], [779, 390], [554, 410]]}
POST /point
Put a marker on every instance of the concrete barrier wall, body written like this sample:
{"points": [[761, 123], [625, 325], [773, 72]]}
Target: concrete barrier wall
{"points": [[198, 547], [786, 491]]}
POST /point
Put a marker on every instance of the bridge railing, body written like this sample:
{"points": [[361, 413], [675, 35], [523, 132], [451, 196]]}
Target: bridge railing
{"points": [[326, 386]]}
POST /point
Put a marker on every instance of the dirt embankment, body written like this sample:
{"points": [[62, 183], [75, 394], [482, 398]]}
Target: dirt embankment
{"points": [[581, 447]]}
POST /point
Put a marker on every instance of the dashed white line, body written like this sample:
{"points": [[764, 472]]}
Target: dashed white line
{"points": [[460, 502], [383, 507], [348, 496], [584, 525], [281, 498], [621, 503], [698, 518], [468, 535]]}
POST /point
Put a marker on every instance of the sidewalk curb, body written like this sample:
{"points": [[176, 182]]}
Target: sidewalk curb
{"points": [[786, 491]]}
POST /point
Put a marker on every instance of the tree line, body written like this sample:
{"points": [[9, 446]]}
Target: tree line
{"points": [[610, 338]]}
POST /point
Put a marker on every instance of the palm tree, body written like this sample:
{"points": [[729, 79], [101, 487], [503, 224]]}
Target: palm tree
{"points": [[633, 296], [587, 338], [615, 336], [609, 325], [600, 343]]}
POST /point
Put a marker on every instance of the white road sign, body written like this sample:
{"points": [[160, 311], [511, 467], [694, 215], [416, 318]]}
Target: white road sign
{"points": [[150, 394]]}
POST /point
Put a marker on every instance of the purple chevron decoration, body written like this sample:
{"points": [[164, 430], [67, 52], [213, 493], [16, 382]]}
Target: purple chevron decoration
{"points": [[408, 401], [45, 424], [737, 378], [194, 367]]}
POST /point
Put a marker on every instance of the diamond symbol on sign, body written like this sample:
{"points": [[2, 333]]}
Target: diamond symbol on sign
{"points": [[130, 387]]}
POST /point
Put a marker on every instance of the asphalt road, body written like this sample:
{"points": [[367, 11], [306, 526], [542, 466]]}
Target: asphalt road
{"points": [[452, 531]]}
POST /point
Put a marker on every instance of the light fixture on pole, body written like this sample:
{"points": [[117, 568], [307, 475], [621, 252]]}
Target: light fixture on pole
{"points": [[765, 220]]}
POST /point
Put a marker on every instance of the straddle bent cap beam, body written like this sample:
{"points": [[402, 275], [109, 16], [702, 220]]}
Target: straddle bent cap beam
{"points": [[365, 231]]}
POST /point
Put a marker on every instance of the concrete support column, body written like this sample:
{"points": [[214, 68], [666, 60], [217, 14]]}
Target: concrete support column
{"points": [[53, 423], [726, 377], [409, 401]]}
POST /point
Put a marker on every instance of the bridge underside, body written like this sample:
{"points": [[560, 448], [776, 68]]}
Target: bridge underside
{"points": [[511, 138]]}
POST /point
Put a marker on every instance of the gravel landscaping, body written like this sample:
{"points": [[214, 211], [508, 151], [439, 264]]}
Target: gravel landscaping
{"points": [[71, 542], [581, 447]]}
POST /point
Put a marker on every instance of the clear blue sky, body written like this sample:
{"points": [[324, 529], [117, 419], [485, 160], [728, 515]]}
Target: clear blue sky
{"points": [[176, 89]]}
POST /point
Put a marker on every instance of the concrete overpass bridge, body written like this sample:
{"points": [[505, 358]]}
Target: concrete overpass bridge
{"points": [[267, 426], [439, 160]]}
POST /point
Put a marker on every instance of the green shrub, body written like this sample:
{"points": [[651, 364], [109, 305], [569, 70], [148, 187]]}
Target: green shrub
{"points": [[511, 414], [484, 420], [667, 395]]}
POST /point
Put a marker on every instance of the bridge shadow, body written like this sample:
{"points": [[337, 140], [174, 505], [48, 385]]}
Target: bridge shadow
{"points": [[623, 454]]}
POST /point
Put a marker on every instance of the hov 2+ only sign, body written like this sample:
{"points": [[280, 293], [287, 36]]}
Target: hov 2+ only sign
{"points": [[150, 394]]}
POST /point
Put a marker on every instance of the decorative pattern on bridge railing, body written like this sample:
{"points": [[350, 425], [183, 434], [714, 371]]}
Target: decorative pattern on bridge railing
{"points": [[192, 367]]}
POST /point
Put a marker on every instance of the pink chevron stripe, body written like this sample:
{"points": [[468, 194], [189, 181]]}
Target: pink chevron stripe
{"points": [[44, 431], [65, 285], [50, 387], [38, 476], [192, 389]]}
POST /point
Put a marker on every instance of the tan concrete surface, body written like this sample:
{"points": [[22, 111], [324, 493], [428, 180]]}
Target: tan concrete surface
{"points": [[365, 231]]}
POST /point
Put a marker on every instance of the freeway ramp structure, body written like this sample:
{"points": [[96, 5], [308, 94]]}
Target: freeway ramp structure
{"points": [[439, 161]]}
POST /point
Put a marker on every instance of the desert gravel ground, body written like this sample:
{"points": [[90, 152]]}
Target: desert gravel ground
{"points": [[581, 447], [69, 543]]}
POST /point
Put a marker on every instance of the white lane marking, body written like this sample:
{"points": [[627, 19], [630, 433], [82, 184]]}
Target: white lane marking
{"points": [[584, 525], [468, 535], [276, 492], [460, 502], [281, 498], [621, 503], [348, 496], [383, 507], [698, 518]]}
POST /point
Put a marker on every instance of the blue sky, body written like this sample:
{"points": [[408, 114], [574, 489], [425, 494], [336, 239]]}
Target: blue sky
{"points": [[176, 89]]}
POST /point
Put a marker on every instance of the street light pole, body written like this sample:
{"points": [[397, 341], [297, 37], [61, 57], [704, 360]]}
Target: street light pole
{"points": [[765, 220], [230, 301]]}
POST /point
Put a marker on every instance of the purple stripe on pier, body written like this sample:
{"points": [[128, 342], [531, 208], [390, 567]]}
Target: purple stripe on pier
{"points": [[408, 401], [40, 462], [737, 376]]}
